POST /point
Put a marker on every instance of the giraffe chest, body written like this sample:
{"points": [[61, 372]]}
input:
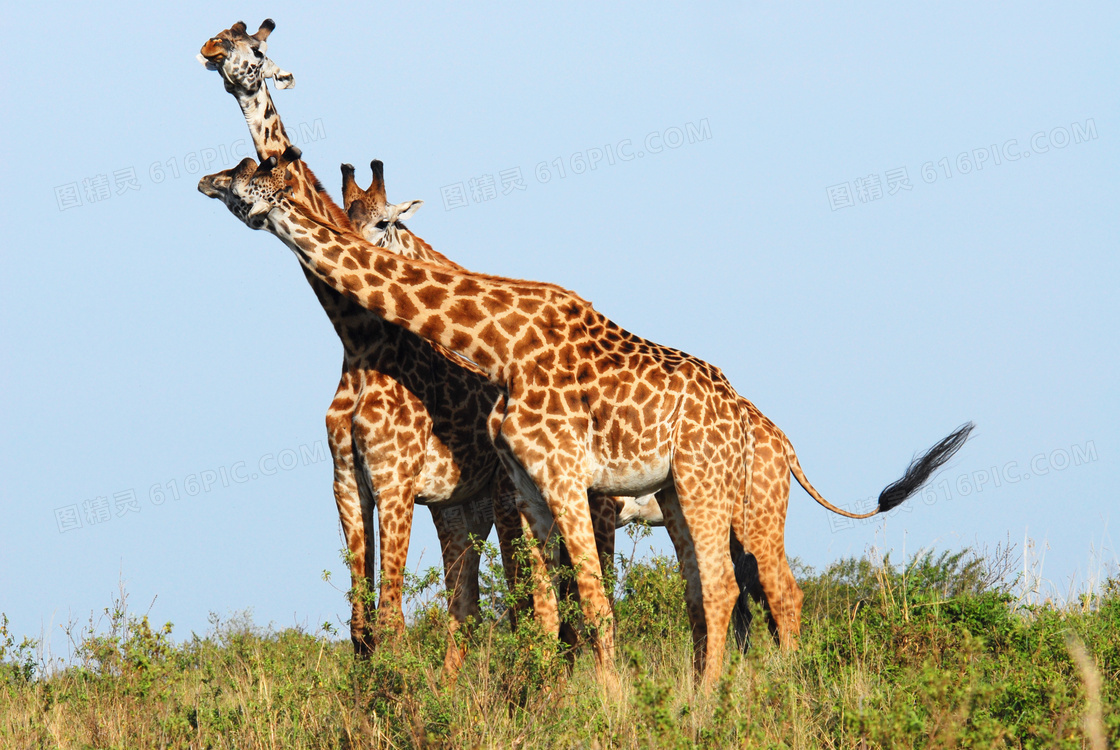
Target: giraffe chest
{"points": [[422, 421]]}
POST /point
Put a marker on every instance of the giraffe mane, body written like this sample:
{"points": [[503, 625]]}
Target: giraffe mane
{"points": [[349, 234], [336, 212]]}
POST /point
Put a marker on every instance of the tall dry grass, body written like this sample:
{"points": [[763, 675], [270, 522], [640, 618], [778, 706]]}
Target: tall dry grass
{"points": [[939, 652]]}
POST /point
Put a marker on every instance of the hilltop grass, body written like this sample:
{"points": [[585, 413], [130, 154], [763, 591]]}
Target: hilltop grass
{"points": [[934, 653]]}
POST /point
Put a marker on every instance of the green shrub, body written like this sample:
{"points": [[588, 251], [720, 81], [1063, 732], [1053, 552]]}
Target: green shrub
{"points": [[933, 653]]}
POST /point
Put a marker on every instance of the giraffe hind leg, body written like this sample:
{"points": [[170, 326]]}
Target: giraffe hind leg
{"points": [[767, 516], [710, 587], [750, 591], [457, 527]]}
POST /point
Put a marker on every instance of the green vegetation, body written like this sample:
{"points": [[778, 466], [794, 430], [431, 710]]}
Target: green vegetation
{"points": [[934, 653]]}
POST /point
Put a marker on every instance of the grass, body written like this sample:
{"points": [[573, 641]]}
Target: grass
{"points": [[938, 652]]}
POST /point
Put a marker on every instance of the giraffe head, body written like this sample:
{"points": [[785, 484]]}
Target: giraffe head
{"points": [[239, 58], [250, 190], [371, 214]]}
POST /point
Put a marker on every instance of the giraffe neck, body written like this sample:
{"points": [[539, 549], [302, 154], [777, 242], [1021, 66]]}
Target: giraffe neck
{"points": [[401, 241], [491, 321], [270, 139], [349, 320], [269, 136]]}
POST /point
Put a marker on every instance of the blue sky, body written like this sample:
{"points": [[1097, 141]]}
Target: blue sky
{"points": [[837, 207]]}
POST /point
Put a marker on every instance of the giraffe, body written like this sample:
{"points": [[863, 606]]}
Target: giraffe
{"points": [[421, 420], [381, 223], [588, 405]]}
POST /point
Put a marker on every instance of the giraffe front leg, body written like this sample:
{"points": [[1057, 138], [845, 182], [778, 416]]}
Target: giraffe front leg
{"points": [[552, 485], [538, 530], [569, 504], [604, 519], [528, 534], [395, 505], [354, 514], [390, 453]]}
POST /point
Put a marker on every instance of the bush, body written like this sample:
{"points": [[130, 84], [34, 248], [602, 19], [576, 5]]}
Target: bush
{"points": [[932, 653]]}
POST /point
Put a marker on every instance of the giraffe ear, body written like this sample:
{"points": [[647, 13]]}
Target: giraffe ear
{"points": [[266, 166], [405, 210], [284, 79], [291, 154]]}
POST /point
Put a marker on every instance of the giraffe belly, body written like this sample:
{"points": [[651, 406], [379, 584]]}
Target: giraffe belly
{"points": [[634, 478]]}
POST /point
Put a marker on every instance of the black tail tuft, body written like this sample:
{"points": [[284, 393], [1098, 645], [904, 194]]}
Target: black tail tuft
{"points": [[922, 467]]}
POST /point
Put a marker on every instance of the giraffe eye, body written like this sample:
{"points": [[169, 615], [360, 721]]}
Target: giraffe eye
{"points": [[382, 224]]}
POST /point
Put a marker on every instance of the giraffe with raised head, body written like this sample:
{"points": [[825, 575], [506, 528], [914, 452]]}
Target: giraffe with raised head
{"points": [[588, 405], [418, 419]]}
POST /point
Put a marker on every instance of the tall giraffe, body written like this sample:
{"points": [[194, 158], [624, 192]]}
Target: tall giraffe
{"points": [[381, 223], [421, 434], [588, 405]]}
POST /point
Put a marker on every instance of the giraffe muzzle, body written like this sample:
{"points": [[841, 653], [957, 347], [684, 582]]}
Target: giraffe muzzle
{"points": [[207, 187]]}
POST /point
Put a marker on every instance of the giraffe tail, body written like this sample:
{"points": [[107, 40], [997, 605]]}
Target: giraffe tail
{"points": [[919, 470]]}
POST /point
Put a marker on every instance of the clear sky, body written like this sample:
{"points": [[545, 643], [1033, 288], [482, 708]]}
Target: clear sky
{"points": [[879, 222]]}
